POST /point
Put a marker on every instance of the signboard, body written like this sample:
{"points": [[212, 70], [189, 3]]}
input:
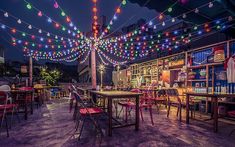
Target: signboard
{"points": [[23, 69], [1, 60]]}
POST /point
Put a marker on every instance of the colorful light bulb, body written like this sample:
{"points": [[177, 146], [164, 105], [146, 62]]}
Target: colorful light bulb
{"points": [[29, 6], [56, 5], [40, 13]]}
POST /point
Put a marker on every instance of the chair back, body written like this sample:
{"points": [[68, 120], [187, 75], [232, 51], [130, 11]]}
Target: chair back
{"points": [[173, 95], [5, 88], [79, 102], [78, 98]]}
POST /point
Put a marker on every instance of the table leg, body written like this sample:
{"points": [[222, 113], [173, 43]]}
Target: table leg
{"points": [[137, 115], [31, 103], [110, 116], [187, 109], [212, 107], [206, 104], [25, 110], [215, 114]]}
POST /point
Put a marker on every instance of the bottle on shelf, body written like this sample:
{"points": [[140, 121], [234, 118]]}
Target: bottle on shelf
{"points": [[227, 88], [216, 89]]}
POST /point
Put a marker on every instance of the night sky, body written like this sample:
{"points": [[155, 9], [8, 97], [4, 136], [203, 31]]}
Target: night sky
{"points": [[79, 11]]}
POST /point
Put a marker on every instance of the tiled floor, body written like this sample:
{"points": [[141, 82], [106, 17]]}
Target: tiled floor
{"points": [[52, 125]]}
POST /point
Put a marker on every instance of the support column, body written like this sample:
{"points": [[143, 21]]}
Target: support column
{"points": [[30, 71], [93, 68]]}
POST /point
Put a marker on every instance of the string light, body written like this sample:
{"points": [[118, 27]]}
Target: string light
{"points": [[40, 13], [29, 6]]}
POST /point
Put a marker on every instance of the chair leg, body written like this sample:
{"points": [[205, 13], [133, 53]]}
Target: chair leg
{"points": [[80, 133], [116, 108], [77, 125], [126, 114], [75, 112], [191, 112], [194, 113], [168, 110], [11, 118], [231, 132], [120, 112], [151, 115], [6, 125], [7, 128], [158, 107], [180, 113], [71, 105], [177, 113], [141, 114]]}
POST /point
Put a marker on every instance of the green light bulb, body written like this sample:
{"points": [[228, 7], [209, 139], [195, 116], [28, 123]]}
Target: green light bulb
{"points": [[170, 9], [29, 6], [124, 2], [62, 13]]}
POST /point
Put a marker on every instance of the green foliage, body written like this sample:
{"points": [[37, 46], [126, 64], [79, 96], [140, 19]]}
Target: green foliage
{"points": [[50, 76]]}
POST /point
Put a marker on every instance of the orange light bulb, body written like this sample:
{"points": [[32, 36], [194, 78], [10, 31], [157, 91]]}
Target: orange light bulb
{"points": [[95, 17], [160, 17], [118, 10], [94, 9]]}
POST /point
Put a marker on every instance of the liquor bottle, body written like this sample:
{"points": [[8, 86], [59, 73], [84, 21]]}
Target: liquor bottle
{"points": [[227, 89], [219, 88], [216, 89]]}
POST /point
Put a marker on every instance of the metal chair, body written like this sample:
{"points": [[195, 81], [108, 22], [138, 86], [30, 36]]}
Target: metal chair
{"points": [[87, 113], [3, 110], [145, 103]]}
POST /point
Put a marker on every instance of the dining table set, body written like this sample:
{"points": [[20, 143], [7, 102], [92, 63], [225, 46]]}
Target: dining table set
{"points": [[118, 95]]}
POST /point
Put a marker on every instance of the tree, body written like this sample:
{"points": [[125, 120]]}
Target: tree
{"points": [[51, 77]]}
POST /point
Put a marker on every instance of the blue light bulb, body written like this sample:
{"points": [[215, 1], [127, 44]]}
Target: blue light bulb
{"points": [[49, 20]]}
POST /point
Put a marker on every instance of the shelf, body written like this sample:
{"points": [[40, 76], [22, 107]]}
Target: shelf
{"points": [[147, 75], [204, 65], [179, 81], [198, 80]]}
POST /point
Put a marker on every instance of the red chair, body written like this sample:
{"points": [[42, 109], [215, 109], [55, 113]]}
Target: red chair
{"points": [[9, 106], [86, 113], [145, 103]]}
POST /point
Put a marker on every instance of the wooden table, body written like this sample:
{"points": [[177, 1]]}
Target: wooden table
{"points": [[110, 95], [17, 92], [214, 100]]}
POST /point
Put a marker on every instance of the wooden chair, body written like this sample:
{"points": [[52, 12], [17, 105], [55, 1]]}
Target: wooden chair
{"points": [[175, 99], [231, 114]]}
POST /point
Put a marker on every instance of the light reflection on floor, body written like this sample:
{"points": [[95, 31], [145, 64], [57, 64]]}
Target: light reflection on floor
{"points": [[52, 125]]}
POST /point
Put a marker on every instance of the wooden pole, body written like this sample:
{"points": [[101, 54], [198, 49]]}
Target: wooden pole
{"points": [[93, 68], [30, 71]]}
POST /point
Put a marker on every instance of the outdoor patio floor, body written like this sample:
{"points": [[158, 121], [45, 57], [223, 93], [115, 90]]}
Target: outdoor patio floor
{"points": [[52, 125]]}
